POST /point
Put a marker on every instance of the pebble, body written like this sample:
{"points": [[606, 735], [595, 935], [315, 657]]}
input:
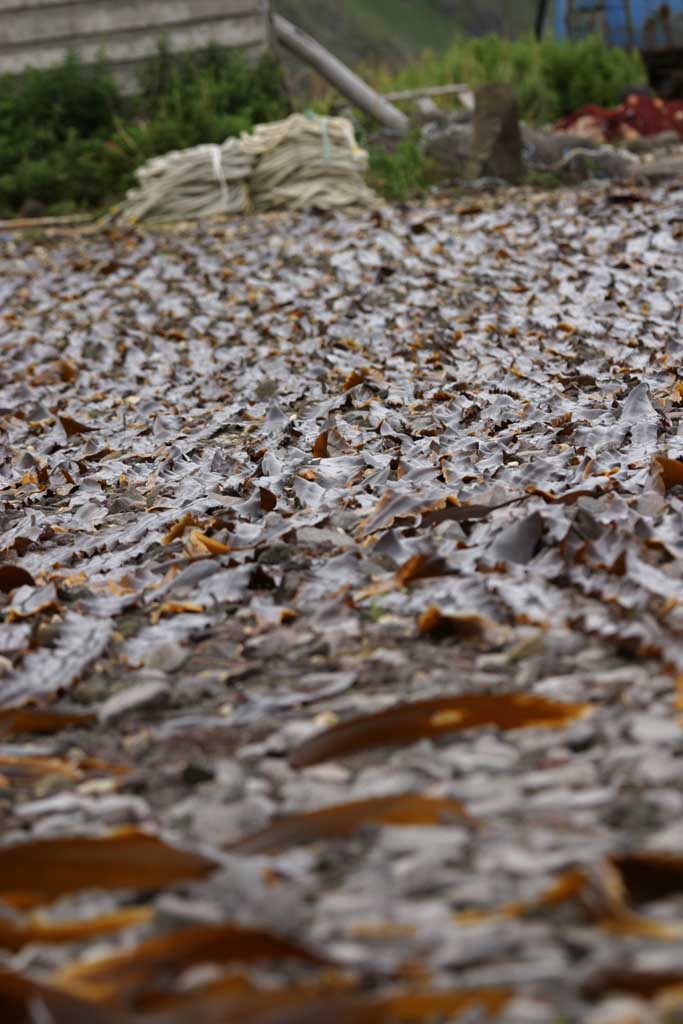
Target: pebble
{"points": [[167, 656], [622, 1010], [144, 695], [653, 729], [221, 824]]}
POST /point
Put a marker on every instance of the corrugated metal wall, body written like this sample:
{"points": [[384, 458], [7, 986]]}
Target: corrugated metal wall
{"points": [[648, 24], [40, 32]]}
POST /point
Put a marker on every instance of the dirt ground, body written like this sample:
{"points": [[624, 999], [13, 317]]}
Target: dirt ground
{"points": [[342, 633]]}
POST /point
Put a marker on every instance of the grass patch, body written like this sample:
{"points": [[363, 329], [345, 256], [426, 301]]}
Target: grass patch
{"points": [[401, 173], [69, 138]]}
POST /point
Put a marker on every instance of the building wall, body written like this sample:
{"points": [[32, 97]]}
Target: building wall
{"points": [[648, 24], [39, 33]]}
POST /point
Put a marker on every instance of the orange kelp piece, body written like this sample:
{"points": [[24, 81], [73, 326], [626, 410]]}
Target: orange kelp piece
{"points": [[407, 723], [42, 870], [113, 979], [15, 935], [40, 720], [670, 471], [343, 820]]}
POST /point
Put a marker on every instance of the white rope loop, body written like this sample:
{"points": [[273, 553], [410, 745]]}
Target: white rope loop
{"points": [[305, 160]]}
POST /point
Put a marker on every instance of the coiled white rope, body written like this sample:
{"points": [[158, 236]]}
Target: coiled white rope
{"points": [[300, 162]]}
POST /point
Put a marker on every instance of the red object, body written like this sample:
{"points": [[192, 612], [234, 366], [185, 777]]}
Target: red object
{"points": [[638, 115]]}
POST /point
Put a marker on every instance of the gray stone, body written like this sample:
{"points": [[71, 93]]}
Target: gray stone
{"points": [[449, 145], [650, 143], [661, 170], [221, 824], [622, 1010], [230, 779], [166, 656], [144, 695], [496, 150], [575, 157], [656, 730]]}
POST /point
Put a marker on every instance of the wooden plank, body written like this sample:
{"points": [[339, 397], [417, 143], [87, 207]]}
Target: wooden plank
{"points": [[27, 223], [67, 22], [125, 47], [342, 78], [428, 91]]}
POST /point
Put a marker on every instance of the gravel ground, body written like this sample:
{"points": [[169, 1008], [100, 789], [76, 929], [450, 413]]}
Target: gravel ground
{"points": [[263, 479]]}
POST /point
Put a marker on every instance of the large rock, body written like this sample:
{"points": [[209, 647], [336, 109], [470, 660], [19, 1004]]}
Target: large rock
{"points": [[448, 145], [496, 150], [575, 158]]}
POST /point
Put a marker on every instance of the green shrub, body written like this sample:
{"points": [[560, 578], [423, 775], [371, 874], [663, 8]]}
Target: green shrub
{"points": [[401, 172], [551, 78], [69, 138]]}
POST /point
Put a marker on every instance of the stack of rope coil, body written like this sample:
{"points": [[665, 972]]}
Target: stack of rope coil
{"points": [[199, 182], [306, 161], [300, 162]]}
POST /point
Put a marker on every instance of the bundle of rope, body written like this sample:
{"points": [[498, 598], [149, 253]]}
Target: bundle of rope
{"points": [[300, 162], [306, 161], [198, 182]]}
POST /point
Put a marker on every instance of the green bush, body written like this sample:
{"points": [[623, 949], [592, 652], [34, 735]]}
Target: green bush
{"points": [[551, 78], [401, 172], [69, 138]]}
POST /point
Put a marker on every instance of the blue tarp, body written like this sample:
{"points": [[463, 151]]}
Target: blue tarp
{"points": [[641, 23]]}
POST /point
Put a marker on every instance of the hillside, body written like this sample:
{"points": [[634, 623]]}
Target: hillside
{"points": [[360, 30]]}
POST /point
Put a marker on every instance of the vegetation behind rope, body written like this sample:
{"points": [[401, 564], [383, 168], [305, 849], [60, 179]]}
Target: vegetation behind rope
{"points": [[71, 140], [552, 78]]}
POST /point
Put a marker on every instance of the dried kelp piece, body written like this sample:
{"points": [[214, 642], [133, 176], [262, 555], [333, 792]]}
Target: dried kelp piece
{"points": [[439, 716], [179, 527], [30, 600], [224, 1003], [14, 935], [569, 886], [320, 449], [42, 870], [81, 640], [452, 511], [422, 567], [199, 545], [312, 1005], [13, 576], [397, 505], [343, 820], [615, 980], [425, 1006], [41, 720], [600, 895], [115, 979], [73, 427], [670, 471], [465, 626], [25, 1001], [649, 875], [569, 497], [267, 499], [519, 542], [26, 767]]}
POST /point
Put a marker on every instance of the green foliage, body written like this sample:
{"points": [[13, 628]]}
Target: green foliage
{"points": [[401, 172], [551, 78], [70, 139]]}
